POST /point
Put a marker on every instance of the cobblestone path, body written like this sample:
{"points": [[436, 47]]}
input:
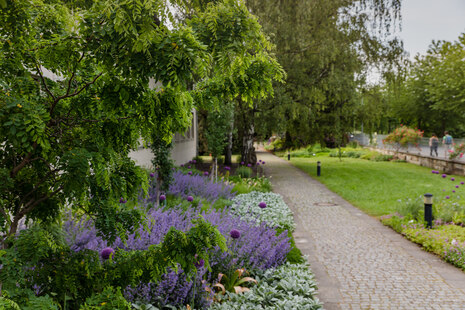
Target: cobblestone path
{"points": [[359, 263]]}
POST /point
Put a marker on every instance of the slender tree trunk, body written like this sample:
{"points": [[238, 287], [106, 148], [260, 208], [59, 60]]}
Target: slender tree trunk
{"points": [[228, 152]]}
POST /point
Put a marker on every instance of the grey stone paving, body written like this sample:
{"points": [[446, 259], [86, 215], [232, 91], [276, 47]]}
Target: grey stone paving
{"points": [[359, 263]]}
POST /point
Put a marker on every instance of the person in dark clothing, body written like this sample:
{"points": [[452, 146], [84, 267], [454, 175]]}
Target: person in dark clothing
{"points": [[433, 145]]}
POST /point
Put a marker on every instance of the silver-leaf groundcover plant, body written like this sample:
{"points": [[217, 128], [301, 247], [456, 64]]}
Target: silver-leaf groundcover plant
{"points": [[275, 214]]}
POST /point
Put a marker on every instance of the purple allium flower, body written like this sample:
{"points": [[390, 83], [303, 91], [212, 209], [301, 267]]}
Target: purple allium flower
{"points": [[456, 186], [190, 161], [263, 162], [453, 191], [189, 173], [194, 161], [433, 171], [447, 197], [227, 168], [444, 175], [199, 264], [182, 165], [152, 174], [462, 183], [162, 197], [262, 204], [190, 198], [452, 179], [235, 234], [443, 190], [249, 165], [242, 162], [205, 173], [106, 252], [259, 160], [122, 200], [189, 167], [258, 164]]}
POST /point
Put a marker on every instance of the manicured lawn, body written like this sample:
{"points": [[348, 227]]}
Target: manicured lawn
{"points": [[375, 187]]}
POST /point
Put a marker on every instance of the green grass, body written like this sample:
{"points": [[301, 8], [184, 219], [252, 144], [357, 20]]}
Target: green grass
{"points": [[375, 187]]}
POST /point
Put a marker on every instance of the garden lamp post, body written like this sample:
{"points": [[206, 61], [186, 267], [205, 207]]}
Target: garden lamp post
{"points": [[318, 168], [429, 210]]}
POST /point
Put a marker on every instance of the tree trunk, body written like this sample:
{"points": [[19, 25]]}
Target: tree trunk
{"points": [[248, 151], [228, 151]]}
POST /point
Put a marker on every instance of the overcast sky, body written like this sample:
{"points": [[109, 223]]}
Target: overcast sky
{"points": [[427, 20]]}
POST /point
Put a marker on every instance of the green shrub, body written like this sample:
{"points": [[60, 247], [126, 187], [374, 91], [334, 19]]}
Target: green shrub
{"points": [[353, 144], [244, 172], [411, 208], [198, 159], [109, 299], [221, 203], [382, 157], [241, 188]]}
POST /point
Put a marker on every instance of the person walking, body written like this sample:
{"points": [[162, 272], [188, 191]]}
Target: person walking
{"points": [[447, 141], [433, 145]]}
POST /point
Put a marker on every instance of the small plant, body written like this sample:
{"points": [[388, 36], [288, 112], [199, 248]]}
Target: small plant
{"points": [[234, 282], [458, 151], [244, 172]]}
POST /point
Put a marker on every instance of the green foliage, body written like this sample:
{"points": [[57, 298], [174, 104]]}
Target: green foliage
{"points": [[109, 299], [325, 48], [72, 278], [162, 161], [247, 185], [7, 304], [295, 255], [76, 95], [244, 172]]}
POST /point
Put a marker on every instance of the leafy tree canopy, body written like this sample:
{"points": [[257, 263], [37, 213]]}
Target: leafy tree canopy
{"points": [[76, 94]]}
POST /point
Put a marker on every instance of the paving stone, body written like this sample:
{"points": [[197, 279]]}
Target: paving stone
{"points": [[368, 265]]}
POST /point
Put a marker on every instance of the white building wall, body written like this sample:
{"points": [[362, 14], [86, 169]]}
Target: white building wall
{"points": [[184, 149]]}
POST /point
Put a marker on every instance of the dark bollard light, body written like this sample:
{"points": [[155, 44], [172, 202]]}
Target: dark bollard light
{"points": [[288, 155], [318, 168], [429, 210]]}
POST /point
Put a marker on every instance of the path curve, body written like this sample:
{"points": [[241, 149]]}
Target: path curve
{"points": [[358, 262]]}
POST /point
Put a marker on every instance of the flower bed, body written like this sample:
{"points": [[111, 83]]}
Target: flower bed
{"points": [[290, 286], [78, 263]]}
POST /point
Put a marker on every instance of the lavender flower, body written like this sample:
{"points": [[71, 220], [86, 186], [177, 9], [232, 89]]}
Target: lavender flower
{"points": [[235, 234], [262, 204], [190, 198], [199, 263], [106, 253], [227, 168]]}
